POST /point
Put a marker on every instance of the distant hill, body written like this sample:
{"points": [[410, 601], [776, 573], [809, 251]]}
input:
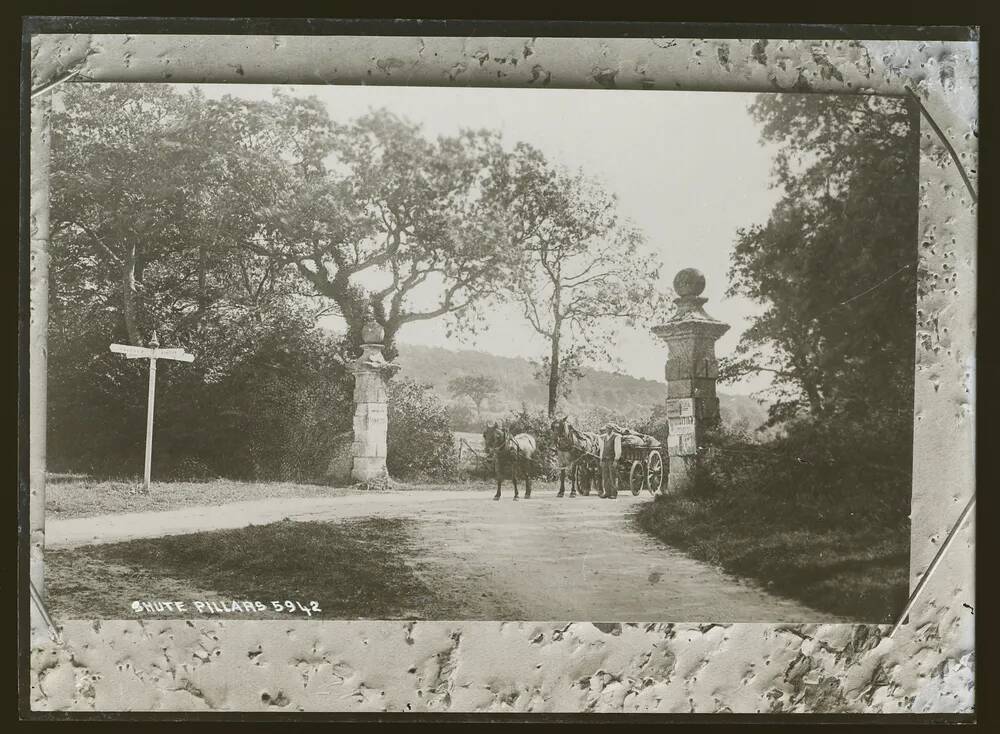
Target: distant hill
{"points": [[598, 390]]}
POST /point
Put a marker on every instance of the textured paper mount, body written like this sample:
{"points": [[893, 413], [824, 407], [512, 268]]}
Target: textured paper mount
{"points": [[337, 666]]}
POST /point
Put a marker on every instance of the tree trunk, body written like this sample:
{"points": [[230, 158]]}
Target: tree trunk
{"points": [[554, 370], [389, 349], [202, 268], [811, 388], [128, 298]]}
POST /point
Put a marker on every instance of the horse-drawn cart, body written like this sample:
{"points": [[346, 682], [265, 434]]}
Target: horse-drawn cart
{"points": [[641, 465]]}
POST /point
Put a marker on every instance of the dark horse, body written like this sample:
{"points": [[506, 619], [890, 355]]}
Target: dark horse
{"points": [[571, 447], [514, 450]]}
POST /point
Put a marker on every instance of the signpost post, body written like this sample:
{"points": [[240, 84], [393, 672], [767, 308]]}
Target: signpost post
{"points": [[152, 353]]}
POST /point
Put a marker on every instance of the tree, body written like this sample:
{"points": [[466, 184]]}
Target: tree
{"points": [[389, 225], [122, 184], [475, 387], [153, 198], [419, 438], [835, 265], [584, 271]]}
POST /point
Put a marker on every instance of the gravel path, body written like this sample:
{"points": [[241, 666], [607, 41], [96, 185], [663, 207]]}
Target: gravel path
{"points": [[540, 559]]}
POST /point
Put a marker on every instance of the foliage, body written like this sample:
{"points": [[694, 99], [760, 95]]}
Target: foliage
{"points": [[420, 438], [475, 387], [820, 508], [538, 424], [814, 468], [200, 218], [818, 515], [583, 270], [145, 221], [606, 395], [461, 417], [378, 219], [286, 405], [272, 416], [655, 424], [847, 169]]}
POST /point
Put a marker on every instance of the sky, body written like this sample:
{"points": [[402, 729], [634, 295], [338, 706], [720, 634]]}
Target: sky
{"points": [[687, 168]]}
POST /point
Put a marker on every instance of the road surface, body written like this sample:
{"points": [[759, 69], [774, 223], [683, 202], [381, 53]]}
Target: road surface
{"points": [[545, 558]]}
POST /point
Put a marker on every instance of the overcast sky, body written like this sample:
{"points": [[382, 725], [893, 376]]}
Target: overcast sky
{"points": [[687, 168]]}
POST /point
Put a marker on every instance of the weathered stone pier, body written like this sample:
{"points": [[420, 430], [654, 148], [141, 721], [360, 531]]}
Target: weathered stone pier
{"points": [[691, 373], [371, 410]]}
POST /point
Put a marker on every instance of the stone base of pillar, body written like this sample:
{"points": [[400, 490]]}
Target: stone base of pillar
{"points": [[370, 471], [682, 473]]}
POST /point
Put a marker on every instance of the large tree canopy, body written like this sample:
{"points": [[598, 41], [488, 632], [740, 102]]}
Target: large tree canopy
{"points": [[153, 196], [392, 226], [176, 212], [230, 225], [835, 265]]}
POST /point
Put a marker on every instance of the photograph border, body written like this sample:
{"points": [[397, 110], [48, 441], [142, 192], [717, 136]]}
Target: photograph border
{"points": [[865, 668]]}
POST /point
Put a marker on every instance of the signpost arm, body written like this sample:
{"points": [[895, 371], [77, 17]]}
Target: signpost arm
{"points": [[149, 422]]}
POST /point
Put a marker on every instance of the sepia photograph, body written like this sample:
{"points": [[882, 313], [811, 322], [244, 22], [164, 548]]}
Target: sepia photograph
{"points": [[419, 353], [499, 371]]}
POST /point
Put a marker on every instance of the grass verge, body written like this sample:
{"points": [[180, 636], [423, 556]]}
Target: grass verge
{"points": [[72, 495], [855, 570], [355, 569], [69, 495]]}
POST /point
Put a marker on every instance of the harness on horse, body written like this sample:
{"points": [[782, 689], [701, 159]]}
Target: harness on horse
{"points": [[510, 446], [578, 445]]}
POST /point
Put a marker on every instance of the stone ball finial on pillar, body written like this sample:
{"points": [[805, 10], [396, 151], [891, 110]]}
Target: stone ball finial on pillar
{"points": [[691, 374], [372, 332], [689, 282]]}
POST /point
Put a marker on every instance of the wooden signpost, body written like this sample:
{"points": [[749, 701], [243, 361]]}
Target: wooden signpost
{"points": [[152, 353]]}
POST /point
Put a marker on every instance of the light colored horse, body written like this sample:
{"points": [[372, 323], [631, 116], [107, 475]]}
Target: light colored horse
{"points": [[518, 451]]}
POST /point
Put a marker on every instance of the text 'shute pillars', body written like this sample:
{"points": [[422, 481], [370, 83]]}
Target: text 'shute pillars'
{"points": [[691, 372]]}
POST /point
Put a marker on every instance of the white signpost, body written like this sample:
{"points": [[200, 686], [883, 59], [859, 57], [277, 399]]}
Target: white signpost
{"points": [[152, 353]]}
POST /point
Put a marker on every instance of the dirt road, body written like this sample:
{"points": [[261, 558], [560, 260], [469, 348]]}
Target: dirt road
{"points": [[540, 559]]}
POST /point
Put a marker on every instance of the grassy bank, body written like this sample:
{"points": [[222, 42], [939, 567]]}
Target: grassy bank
{"points": [[351, 569], [846, 565], [75, 495]]}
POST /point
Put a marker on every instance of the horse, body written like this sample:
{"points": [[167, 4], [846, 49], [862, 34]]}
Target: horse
{"points": [[517, 450], [571, 446]]}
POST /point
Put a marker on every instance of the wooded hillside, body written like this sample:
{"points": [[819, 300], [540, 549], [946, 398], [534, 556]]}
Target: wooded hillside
{"points": [[596, 391]]}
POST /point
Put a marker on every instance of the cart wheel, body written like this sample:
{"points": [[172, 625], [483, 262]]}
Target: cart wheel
{"points": [[581, 479], [636, 477], [654, 472]]}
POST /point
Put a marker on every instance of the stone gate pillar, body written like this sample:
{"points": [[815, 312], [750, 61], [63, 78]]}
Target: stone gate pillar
{"points": [[691, 372], [371, 410]]}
